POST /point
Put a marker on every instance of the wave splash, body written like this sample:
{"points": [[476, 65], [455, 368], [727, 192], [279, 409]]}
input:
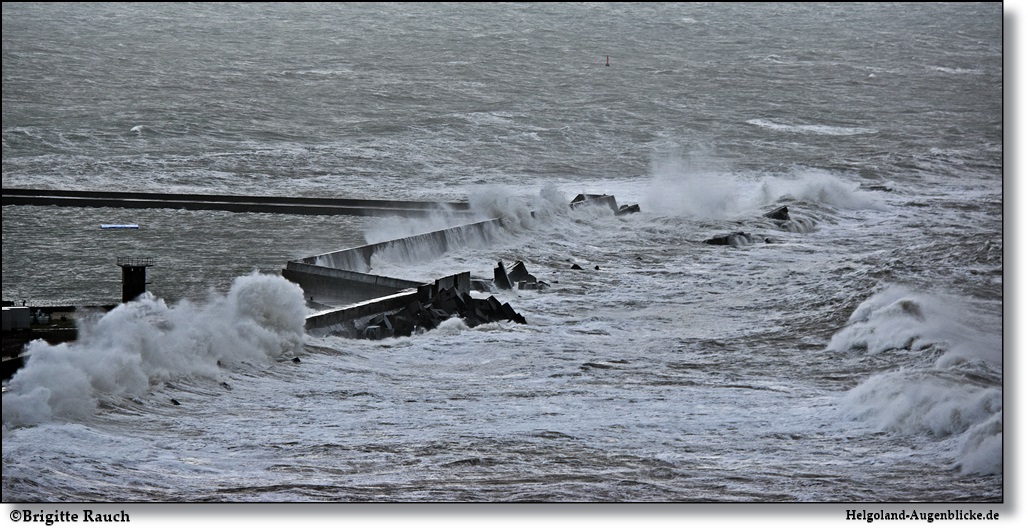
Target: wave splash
{"points": [[950, 391], [515, 211], [698, 190], [144, 342]]}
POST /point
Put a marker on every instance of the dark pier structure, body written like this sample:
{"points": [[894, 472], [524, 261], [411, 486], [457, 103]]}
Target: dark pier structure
{"points": [[133, 276]]}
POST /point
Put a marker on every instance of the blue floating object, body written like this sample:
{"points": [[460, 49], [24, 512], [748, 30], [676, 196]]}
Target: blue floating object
{"points": [[119, 226]]}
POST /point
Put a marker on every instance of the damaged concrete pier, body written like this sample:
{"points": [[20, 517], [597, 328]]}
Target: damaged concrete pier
{"points": [[359, 304], [348, 298]]}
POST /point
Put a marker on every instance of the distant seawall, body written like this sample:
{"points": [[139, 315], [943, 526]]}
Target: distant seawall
{"points": [[239, 204]]}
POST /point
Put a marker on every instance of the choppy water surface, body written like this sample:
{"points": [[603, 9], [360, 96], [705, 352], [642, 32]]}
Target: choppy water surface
{"points": [[853, 354]]}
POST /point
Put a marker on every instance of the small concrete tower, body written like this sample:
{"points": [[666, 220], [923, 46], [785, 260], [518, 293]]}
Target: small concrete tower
{"points": [[133, 276]]}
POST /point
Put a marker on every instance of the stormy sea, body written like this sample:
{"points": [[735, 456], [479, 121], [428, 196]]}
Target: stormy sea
{"points": [[851, 353]]}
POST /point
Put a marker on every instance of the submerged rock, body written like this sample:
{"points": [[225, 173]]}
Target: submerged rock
{"points": [[782, 213], [735, 239], [627, 209]]}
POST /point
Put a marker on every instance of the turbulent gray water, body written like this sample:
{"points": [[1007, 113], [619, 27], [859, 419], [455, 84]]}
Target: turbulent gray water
{"points": [[852, 354]]}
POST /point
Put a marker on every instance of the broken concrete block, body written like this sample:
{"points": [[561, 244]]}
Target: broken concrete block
{"points": [[519, 273], [511, 315], [495, 307], [403, 325], [500, 278], [481, 285]]}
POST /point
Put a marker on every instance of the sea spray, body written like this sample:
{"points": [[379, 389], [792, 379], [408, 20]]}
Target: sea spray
{"points": [[711, 192], [824, 188], [146, 341], [504, 213], [387, 228], [694, 189], [519, 211]]}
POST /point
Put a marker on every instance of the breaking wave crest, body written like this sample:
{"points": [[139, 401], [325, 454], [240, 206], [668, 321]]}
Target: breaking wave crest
{"points": [[144, 342], [948, 384], [900, 318], [943, 405]]}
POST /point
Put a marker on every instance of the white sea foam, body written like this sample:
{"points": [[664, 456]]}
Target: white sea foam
{"points": [[937, 404], [955, 71], [824, 130], [948, 394], [146, 341]]}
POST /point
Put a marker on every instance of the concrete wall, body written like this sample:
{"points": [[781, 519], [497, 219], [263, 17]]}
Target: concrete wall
{"points": [[336, 286], [344, 274], [413, 248], [345, 316]]}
